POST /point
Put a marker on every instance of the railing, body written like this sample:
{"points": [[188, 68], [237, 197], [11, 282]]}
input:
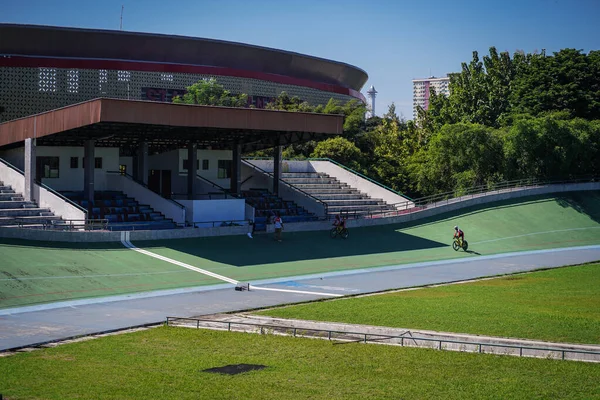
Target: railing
{"points": [[48, 188], [145, 186], [228, 222], [460, 195], [289, 185], [67, 224], [402, 339], [216, 186], [204, 196]]}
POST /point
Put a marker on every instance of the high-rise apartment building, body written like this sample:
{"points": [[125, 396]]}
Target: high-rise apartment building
{"points": [[421, 91]]}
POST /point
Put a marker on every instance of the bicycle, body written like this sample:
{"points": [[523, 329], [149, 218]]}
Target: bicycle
{"points": [[460, 244], [342, 232]]}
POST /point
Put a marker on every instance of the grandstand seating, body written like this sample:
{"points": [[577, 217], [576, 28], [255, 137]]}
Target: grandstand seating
{"points": [[121, 212], [340, 197], [15, 211], [267, 204]]}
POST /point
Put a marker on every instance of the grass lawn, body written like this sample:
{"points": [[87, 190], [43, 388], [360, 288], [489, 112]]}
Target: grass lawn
{"points": [[561, 305], [167, 363]]}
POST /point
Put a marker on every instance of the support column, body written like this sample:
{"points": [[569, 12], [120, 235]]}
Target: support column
{"points": [[192, 171], [88, 170], [30, 172], [276, 170], [235, 185], [141, 161]]}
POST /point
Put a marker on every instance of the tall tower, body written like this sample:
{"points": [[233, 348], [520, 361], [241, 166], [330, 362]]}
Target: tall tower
{"points": [[372, 93]]}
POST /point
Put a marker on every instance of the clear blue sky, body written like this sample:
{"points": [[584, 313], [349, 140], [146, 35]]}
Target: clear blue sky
{"points": [[394, 41]]}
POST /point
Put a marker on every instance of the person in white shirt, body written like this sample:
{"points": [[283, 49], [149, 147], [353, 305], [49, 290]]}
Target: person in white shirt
{"points": [[278, 222]]}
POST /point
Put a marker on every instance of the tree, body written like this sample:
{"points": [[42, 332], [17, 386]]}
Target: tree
{"points": [[338, 149], [209, 92], [566, 81], [459, 156]]}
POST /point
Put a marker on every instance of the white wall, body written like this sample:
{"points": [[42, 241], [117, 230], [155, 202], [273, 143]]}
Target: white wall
{"points": [[286, 165], [69, 178], [199, 211], [213, 156], [43, 197], [365, 186]]}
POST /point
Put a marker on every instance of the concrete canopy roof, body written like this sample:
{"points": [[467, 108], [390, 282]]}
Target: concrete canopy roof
{"points": [[165, 126]]}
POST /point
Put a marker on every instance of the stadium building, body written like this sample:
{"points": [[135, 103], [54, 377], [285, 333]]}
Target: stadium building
{"points": [[86, 119]]}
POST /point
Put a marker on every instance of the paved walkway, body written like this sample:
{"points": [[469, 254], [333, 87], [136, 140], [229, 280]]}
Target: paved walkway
{"points": [[49, 322]]}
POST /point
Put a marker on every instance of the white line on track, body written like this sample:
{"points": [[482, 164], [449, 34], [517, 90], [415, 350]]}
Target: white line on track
{"points": [[295, 291], [125, 241], [536, 233]]}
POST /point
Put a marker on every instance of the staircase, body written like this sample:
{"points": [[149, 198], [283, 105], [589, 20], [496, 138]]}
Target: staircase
{"points": [[16, 212], [340, 197]]}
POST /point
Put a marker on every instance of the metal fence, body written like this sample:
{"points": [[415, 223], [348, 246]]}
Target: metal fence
{"points": [[406, 339]]}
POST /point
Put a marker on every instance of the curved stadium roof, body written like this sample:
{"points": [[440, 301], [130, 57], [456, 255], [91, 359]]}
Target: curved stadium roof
{"points": [[93, 44]]}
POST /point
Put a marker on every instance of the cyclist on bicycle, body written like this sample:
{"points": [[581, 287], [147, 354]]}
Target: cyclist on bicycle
{"points": [[339, 223], [458, 234]]}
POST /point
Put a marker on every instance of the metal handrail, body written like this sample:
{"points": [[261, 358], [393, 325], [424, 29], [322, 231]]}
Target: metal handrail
{"points": [[288, 184], [217, 186], [230, 222], [125, 174], [54, 192], [378, 336], [481, 189]]}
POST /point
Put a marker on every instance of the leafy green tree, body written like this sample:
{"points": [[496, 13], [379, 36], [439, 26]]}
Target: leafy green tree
{"points": [[459, 156], [552, 146], [209, 92], [566, 81], [339, 149]]}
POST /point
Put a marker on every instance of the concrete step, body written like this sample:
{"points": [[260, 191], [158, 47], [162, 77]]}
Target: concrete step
{"points": [[317, 181], [285, 175], [12, 204], [321, 186], [22, 212], [339, 196], [355, 202], [366, 207], [334, 191], [5, 187], [7, 191], [10, 197], [6, 221], [30, 226]]}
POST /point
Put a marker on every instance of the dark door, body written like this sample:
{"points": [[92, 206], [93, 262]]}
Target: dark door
{"points": [[154, 180], [166, 183]]}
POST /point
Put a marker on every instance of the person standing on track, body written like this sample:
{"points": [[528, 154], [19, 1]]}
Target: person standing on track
{"points": [[278, 222]]}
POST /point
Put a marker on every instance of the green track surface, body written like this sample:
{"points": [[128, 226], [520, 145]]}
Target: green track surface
{"points": [[34, 272]]}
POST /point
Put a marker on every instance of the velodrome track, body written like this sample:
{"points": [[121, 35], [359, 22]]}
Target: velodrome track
{"points": [[413, 257]]}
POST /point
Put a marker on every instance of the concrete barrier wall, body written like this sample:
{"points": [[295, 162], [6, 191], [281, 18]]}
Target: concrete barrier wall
{"points": [[12, 178], [106, 236], [59, 206], [143, 195], [356, 181], [451, 205]]}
